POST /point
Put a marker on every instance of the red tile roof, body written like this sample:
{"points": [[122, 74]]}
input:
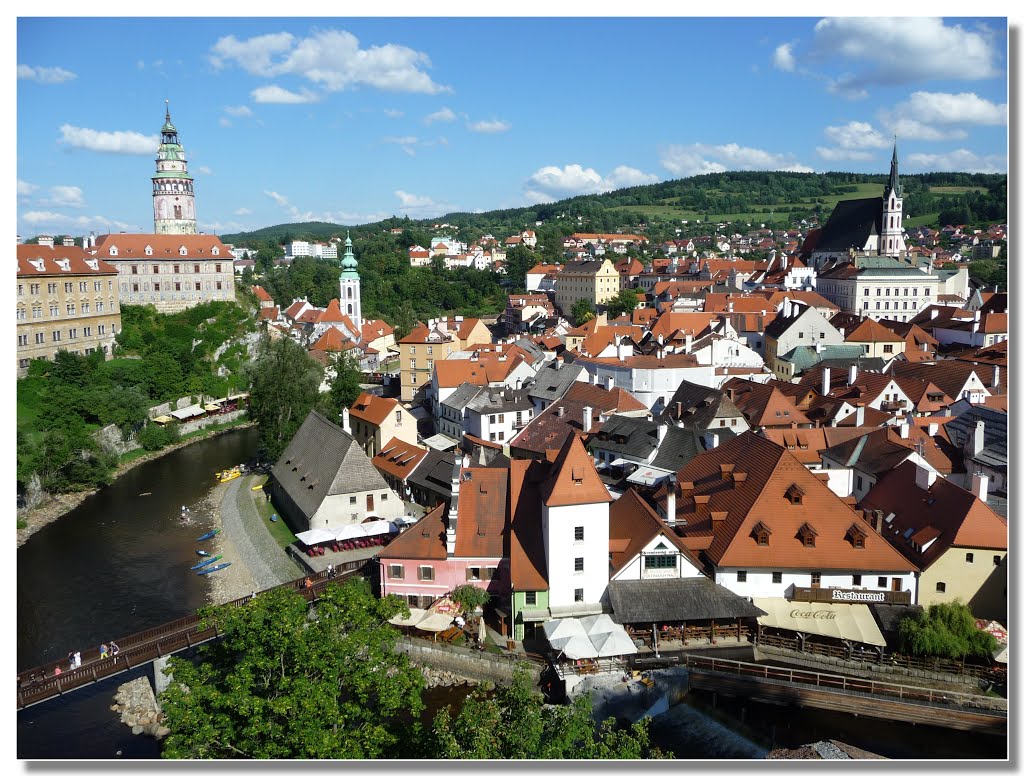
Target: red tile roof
{"points": [[76, 261], [261, 294], [398, 458], [632, 525], [574, 480], [372, 409]]}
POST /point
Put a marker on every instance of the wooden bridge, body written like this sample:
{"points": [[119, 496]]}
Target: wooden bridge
{"points": [[848, 694], [40, 684]]}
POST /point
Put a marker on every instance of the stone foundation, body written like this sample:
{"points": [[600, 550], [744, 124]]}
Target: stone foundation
{"points": [[137, 705]]}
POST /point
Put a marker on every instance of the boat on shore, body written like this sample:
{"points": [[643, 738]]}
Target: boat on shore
{"points": [[208, 535], [212, 569], [229, 474], [202, 553], [207, 562]]}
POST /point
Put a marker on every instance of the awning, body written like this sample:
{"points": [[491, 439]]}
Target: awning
{"points": [[415, 616], [440, 442], [315, 536], [435, 622], [162, 419], [188, 412], [594, 636], [848, 622], [649, 475], [211, 407]]}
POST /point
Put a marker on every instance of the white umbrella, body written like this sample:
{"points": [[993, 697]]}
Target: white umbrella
{"points": [[315, 536], [349, 532], [599, 623], [578, 647], [613, 643], [564, 628], [376, 528], [435, 622], [414, 616]]}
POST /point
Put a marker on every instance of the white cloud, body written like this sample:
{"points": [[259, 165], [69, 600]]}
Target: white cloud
{"points": [[943, 108], [330, 58], [907, 128], [52, 221], [278, 95], [783, 58], [552, 182], [407, 143], [45, 75], [109, 142], [852, 141], [892, 51], [960, 160], [393, 113], [418, 206], [26, 189], [701, 158], [64, 196], [204, 170], [489, 127], [278, 198], [445, 114], [243, 211], [239, 111]]}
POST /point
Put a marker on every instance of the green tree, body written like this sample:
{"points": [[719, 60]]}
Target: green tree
{"points": [[469, 597], [155, 437], [623, 302], [582, 311], [944, 630], [284, 385], [120, 405], [285, 682], [515, 724], [404, 319], [344, 386]]}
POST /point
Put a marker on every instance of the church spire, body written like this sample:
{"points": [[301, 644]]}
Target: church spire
{"points": [[894, 186], [349, 265]]}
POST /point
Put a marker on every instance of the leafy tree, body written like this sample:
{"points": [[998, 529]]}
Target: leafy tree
{"points": [[155, 437], [284, 387], [120, 405], [469, 597], [344, 387], [404, 320], [515, 724], [944, 630], [623, 302], [164, 375], [285, 682], [582, 311]]}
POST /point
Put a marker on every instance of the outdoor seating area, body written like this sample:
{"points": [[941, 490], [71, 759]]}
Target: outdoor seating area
{"points": [[343, 546]]}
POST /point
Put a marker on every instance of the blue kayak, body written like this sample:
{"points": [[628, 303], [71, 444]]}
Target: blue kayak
{"points": [[207, 562], [208, 535], [213, 568]]}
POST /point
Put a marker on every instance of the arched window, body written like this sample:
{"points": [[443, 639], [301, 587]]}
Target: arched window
{"points": [[350, 296], [350, 309]]}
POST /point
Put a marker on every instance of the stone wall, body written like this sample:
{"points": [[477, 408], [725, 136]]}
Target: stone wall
{"points": [[110, 436], [467, 663], [137, 705]]}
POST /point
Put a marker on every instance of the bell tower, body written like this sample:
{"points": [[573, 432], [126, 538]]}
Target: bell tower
{"points": [[174, 204], [890, 241], [349, 298]]}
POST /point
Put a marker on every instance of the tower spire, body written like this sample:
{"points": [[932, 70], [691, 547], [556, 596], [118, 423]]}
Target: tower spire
{"points": [[894, 173], [167, 111]]}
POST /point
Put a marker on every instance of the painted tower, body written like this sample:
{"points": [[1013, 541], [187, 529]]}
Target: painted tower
{"points": [[174, 204], [349, 297], [891, 241]]}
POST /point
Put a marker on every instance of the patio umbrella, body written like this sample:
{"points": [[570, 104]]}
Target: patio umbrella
{"points": [[613, 643], [349, 532], [599, 623], [414, 616], [376, 528], [435, 622], [563, 629], [578, 647], [315, 536]]}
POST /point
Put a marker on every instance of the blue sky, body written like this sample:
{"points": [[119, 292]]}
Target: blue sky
{"points": [[353, 120]]}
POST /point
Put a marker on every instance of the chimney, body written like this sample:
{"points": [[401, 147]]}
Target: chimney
{"points": [[826, 381], [979, 485], [662, 430], [68, 242], [995, 377], [559, 363], [689, 343], [45, 239], [620, 350], [710, 440], [730, 306], [670, 502], [785, 262], [935, 313], [787, 308], [877, 522], [344, 421], [853, 374], [904, 429], [560, 412], [978, 442], [859, 416], [924, 478], [588, 418], [609, 382], [453, 508], [933, 429]]}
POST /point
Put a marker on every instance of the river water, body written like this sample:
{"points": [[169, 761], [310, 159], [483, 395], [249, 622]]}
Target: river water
{"points": [[118, 564]]}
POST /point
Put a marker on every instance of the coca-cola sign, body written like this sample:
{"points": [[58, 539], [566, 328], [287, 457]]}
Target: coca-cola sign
{"points": [[809, 615]]}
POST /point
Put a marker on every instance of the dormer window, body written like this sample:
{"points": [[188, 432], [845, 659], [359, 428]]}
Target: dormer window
{"points": [[795, 494], [183, 251], [807, 535], [761, 532], [113, 250], [857, 536], [149, 250], [215, 251]]}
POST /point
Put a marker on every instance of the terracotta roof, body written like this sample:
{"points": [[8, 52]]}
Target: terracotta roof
{"points": [[269, 313], [372, 409], [527, 564], [165, 246], [771, 472], [374, 328], [295, 308], [871, 330], [944, 512], [332, 341], [76, 261], [423, 541], [763, 405], [332, 314], [398, 458], [261, 294], [574, 480], [684, 323], [949, 374], [632, 525], [884, 449], [806, 444]]}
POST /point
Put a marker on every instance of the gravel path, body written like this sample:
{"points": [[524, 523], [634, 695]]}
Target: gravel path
{"points": [[257, 560]]}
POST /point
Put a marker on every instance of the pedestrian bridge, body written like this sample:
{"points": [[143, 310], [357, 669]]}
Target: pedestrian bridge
{"points": [[40, 684]]}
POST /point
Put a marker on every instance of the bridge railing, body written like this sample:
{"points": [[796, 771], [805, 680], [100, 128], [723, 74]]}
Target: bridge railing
{"points": [[831, 681]]}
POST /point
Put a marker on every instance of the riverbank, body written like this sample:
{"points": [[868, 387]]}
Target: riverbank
{"points": [[57, 506]]}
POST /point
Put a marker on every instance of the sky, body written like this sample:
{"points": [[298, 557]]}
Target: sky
{"points": [[352, 120]]}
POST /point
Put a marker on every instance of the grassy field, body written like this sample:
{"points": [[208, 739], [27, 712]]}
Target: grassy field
{"points": [[278, 529], [955, 189], [928, 219]]}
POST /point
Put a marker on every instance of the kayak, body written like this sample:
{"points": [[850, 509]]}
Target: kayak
{"points": [[257, 487], [212, 569], [208, 535], [207, 562], [202, 553]]}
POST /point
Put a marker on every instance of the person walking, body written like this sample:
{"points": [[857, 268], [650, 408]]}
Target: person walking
{"points": [[114, 649], [103, 651], [308, 583], [71, 660], [57, 671], [78, 659]]}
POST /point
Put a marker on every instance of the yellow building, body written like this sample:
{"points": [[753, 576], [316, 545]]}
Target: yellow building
{"points": [[435, 341], [374, 420], [595, 280], [67, 300]]}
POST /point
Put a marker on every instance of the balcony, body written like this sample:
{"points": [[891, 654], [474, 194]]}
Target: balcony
{"points": [[889, 406]]}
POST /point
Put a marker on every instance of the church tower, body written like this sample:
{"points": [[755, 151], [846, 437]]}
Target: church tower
{"points": [[174, 204], [351, 304], [891, 241]]}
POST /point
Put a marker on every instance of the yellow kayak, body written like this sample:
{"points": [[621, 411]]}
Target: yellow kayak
{"points": [[257, 487], [228, 476]]}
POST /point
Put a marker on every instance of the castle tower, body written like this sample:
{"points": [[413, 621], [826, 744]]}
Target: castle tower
{"points": [[891, 241], [174, 204], [351, 304]]}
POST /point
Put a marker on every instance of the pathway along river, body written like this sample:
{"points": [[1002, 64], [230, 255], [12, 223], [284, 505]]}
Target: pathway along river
{"points": [[118, 564]]}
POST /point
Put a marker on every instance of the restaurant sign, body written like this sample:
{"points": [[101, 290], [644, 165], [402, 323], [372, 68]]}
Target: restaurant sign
{"points": [[830, 595], [858, 596]]}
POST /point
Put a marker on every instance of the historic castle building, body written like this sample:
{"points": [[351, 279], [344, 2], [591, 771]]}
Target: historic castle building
{"points": [[174, 200]]}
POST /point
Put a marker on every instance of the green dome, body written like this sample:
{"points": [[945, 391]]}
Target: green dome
{"points": [[349, 265]]}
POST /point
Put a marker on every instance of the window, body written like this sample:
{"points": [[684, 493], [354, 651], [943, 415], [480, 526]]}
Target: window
{"points": [[665, 561], [531, 597], [199, 287], [897, 584], [351, 499], [887, 348], [216, 267], [71, 309], [883, 582], [72, 333], [87, 331], [777, 577], [866, 305], [85, 308], [815, 579], [860, 482], [578, 533], [56, 336], [426, 573], [220, 285], [33, 288], [156, 286], [69, 288], [927, 292], [51, 288], [103, 328], [396, 572], [578, 565], [940, 587], [135, 269], [135, 287], [24, 362], [970, 557], [156, 269], [82, 286], [996, 560], [741, 576], [578, 595], [195, 269], [37, 312], [473, 574], [40, 336], [383, 496], [54, 311], [412, 350], [22, 340]]}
